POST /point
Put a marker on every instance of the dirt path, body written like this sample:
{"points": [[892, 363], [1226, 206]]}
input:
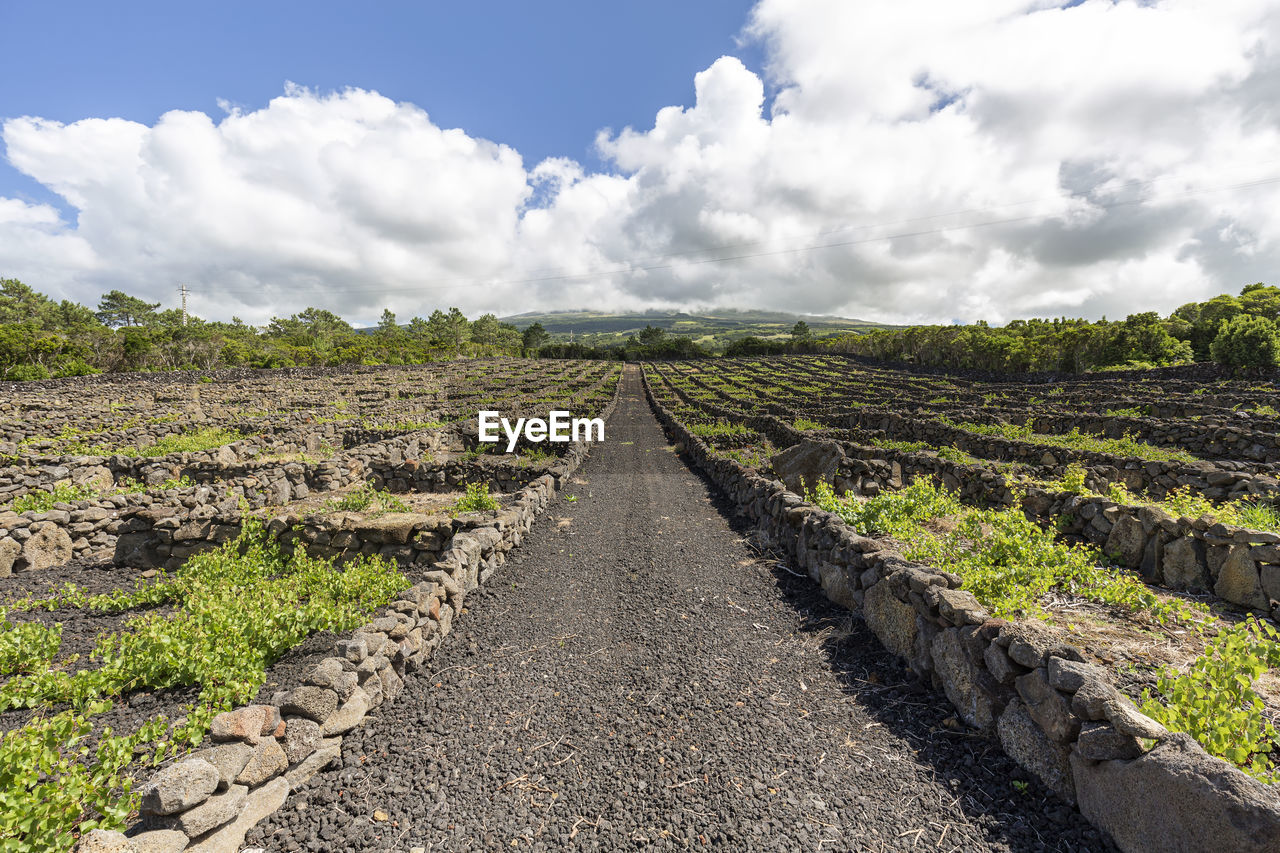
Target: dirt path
{"points": [[637, 677]]}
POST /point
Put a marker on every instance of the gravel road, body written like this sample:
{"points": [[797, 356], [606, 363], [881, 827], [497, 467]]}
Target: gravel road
{"points": [[637, 677]]}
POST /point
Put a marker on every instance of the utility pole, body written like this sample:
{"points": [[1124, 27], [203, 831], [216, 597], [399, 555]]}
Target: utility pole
{"points": [[183, 289]]}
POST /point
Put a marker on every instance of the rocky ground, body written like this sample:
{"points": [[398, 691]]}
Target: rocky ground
{"points": [[639, 676], [93, 576], [80, 633]]}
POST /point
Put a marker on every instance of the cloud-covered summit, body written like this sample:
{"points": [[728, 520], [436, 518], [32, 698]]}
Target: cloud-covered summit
{"points": [[899, 161]]}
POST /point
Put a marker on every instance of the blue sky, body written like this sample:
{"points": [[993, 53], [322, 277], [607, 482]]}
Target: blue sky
{"points": [[543, 77], [893, 160]]}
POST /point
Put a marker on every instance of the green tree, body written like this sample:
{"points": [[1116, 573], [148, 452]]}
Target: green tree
{"points": [[484, 329], [137, 346], [312, 333], [438, 329], [651, 335], [1143, 338], [326, 326], [171, 319], [800, 331], [751, 345], [21, 304], [1247, 341], [449, 330], [1213, 314], [117, 309], [1261, 301], [72, 316], [355, 349], [1189, 312], [420, 331], [17, 345], [389, 331], [459, 329], [393, 342], [535, 337], [508, 337]]}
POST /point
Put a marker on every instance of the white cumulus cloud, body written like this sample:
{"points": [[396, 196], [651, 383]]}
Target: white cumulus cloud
{"points": [[311, 200], [894, 160]]}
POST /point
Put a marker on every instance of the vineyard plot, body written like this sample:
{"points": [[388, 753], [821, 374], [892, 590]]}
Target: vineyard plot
{"points": [[172, 547], [1134, 521]]}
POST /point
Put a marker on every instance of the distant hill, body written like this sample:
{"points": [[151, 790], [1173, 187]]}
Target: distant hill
{"points": [[712, 329]]}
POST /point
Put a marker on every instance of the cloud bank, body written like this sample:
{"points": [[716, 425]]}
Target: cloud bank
{"points": [[900, 161]]}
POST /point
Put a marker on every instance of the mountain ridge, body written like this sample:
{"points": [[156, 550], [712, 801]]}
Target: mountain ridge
{"points": [[719, 325]]}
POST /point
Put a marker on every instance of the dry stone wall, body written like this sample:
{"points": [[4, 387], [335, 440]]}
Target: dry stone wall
{"points": [[1207, 440], [152, 531], [1060, 718], [161, 529], [1218, 480], [1238, 565], [207, 801], [243, 463], [1178, 553]]}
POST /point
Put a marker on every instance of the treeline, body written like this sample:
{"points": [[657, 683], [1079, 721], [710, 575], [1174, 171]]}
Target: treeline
{"points": [[651, 344], [1236, 331], [654, 344], [41, 338]]}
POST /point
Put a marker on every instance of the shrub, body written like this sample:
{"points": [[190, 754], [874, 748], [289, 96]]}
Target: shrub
{"points": [[239, 607], [476, 499], [902, 446], [718, 428], [236, 610], [1215, 701], [44, 501], [1247, 341], [77, 367], [1256, 515], [1250, 513], [367, 498], [27, 646], [27, 372], [188, 442], [130, 486], [52, 787], [1073, 479], [753, 456], [951, 453], [1076, 440], [535, 456], [1006, 560]]}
